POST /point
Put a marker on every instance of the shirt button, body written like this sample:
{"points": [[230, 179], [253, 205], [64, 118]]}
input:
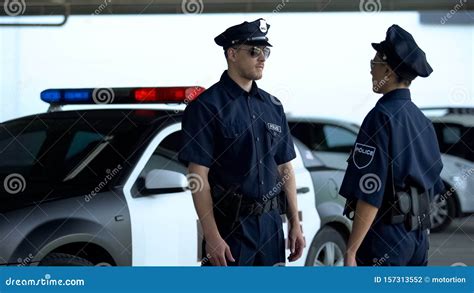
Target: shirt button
{"points": [[253, 116], [258, 139], [260, 161], [261, 182]]}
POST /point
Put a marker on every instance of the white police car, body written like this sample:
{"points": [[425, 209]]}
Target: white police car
{"points": [[454, 128], [103, 186], [331, 140]]}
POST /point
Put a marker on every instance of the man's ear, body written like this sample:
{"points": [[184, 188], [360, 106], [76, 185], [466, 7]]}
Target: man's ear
{"points": [[231, 54]]}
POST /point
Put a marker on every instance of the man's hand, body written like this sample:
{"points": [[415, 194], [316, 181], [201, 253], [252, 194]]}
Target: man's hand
{"points": [[297, 243], [218, 251]]}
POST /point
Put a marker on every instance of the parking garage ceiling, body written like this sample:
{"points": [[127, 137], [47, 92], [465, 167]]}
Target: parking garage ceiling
{"points": [[84, 7]]}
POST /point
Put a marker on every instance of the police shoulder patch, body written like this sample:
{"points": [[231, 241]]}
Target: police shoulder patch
{"points": [[363, 155]]}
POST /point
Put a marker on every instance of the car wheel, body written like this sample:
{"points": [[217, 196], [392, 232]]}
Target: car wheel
{"points": [[327, 248], [442, 213], [64, 259]]}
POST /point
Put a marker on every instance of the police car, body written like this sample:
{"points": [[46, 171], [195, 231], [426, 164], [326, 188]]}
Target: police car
{"points": [[331, 141], [102, 185], [454, 128]]}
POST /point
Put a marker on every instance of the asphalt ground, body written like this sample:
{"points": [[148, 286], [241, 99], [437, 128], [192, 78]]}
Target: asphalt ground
{"points": [[453, 246]]}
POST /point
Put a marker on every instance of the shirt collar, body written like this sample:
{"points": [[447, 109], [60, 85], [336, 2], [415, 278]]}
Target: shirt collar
{"points": [[235, 90], [399, 94]]}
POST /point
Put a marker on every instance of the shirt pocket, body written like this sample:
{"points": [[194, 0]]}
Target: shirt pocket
{"points": [[273, 133], [234, 131]]}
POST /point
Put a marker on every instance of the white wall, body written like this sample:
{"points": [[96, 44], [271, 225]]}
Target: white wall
{"points": [[319, 64]]}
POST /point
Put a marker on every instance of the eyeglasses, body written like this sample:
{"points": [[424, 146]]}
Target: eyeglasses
{"points": [[373, 62], [254, 52]]}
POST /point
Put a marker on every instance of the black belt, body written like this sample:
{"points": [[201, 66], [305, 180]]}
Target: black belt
{"points": [[257, 208]]}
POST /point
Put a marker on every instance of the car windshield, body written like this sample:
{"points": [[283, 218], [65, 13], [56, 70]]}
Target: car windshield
{"points": [[75, 151]]}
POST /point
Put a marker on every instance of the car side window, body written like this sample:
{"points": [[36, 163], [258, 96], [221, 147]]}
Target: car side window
{"points": [[451, 134], [338, 139], [165, 156]]}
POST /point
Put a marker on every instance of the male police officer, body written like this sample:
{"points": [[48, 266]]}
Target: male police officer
{"points": [[236, 138], [393, 170]]}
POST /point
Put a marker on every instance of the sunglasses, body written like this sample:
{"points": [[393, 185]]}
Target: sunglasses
{"points": [[254, 52], [373, 62]]}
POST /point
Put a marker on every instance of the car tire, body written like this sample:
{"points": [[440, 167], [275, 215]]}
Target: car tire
{"points": [[442, 213], [64, 259], [327, 248]]}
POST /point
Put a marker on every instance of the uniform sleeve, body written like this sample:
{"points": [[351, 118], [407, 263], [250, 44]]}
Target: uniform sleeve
{"points": [[367, 169], [285, 151], [197, 135]]}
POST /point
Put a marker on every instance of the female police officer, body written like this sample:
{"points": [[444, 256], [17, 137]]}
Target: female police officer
{"points": [[237, 140], [393, 170]]}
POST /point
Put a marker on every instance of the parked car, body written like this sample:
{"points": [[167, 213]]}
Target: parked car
{"points": [[103, 186]]}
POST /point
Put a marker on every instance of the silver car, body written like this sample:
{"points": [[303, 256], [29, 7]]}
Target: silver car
{"points": [[330, 141]]}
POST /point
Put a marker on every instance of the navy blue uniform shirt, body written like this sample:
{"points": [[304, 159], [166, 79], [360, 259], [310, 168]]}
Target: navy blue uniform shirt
{"points": [[241, 137], [394, 129]]}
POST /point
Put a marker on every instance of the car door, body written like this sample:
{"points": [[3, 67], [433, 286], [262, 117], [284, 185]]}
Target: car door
{"points": [[164, 229]]}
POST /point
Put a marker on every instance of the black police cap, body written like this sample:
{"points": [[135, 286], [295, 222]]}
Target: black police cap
{"points": [[251, 33], [403, 54]]}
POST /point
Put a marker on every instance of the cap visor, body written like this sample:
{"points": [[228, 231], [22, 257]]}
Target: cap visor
{"points": [[377, 47]]}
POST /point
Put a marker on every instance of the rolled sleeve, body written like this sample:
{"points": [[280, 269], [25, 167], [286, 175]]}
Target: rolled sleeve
{"points": [[197, 135]]}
